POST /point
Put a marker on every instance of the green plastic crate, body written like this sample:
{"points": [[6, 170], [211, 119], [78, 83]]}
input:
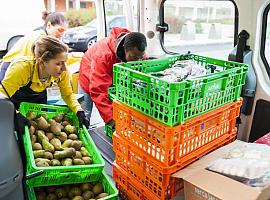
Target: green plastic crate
{"points": [[61, 174], [174, 103], [107, 184], [109, 130], [111, 93]]}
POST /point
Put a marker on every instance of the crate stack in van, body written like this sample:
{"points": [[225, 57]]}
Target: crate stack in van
{"points": [[62, 159], [169, 112]]}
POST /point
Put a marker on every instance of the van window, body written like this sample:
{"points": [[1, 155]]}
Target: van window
{"points": [[115, 12], [119, 22], [202, 27]]}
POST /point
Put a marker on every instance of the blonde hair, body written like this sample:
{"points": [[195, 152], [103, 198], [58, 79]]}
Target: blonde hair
{"points": [[48, 48]]}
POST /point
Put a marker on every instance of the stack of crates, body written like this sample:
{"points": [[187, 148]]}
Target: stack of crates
{"points": [[56, 176], [161, 127]]}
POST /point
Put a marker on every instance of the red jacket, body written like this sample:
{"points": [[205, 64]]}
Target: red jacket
{"points": [[96, 70]]}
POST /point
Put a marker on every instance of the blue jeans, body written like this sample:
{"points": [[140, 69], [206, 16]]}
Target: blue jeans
{"points": [[88, 103], [4, 66]]}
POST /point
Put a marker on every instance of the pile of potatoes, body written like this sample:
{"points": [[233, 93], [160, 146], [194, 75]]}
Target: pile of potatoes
{"points": [[84, 191], [55, 141]]}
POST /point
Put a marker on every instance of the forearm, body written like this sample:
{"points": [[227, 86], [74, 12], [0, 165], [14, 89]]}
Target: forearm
{"points": [[72, 102]]}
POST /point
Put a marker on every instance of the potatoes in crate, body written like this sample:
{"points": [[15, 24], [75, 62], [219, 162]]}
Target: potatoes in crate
{"points": [[83, 191], [55, 141]]}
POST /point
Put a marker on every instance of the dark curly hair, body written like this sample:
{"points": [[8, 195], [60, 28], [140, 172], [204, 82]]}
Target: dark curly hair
{"points": [[135, 39]]}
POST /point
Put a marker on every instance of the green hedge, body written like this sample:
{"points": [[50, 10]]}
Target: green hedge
{"points": [[80, 17]]}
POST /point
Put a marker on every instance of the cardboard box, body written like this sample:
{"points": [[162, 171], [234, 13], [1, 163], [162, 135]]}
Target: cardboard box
{"points": [[200, 184]]}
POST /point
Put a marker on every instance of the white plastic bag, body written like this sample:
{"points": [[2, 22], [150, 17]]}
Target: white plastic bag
{"points": [[181, 70], [251, 162]]}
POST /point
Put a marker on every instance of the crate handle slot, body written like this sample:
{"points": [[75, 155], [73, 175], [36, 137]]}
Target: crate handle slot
{"points": [[34, 174], [51, 110], [214, 84], [71, 171]]}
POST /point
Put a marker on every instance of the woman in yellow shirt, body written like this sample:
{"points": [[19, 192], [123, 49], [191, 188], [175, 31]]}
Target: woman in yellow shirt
{"points": [[55, 25], [27, 78]]}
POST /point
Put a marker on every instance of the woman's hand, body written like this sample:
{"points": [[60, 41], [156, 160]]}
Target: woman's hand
{"points": [[82, 119]]}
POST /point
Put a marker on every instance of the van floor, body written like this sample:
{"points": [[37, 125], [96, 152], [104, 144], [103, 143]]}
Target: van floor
{"points": [[103, 142]]}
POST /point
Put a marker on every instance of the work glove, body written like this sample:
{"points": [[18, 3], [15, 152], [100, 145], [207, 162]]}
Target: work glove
{"points": [[20, 123], [112, 124], [82, 119]]}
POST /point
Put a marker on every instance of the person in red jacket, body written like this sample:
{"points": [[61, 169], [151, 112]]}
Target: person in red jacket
{"points": [[96, 68]]}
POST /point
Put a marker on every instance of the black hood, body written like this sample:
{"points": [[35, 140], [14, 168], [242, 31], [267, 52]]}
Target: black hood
{"points": [[120, 52]]}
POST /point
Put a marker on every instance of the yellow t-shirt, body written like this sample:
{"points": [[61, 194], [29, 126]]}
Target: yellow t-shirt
{"points": [[23, 46], [24, 69]]}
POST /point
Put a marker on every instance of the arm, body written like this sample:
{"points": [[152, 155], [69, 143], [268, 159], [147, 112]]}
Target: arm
{"points": [[67, 93], [100, 81], [71, 101]]}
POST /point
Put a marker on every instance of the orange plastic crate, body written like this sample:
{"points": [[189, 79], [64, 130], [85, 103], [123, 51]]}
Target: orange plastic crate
{"points": [[130, 189], [174, 145], [144, 169]]}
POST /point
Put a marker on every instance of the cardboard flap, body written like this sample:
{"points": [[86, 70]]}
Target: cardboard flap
{"points": [[265, 193], [221, 186]]}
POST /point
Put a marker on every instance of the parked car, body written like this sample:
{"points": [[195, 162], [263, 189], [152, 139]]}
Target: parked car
{"points": [[82, 37]]}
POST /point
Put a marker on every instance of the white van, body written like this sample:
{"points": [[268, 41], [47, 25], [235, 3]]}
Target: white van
{"points": [[18, 18]]}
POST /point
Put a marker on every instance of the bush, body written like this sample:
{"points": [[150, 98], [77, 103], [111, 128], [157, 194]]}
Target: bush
{"points": [[228, 21], [199, 28], [80, 17], [175, 23]]}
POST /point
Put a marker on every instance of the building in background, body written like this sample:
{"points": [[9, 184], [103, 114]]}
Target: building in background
{"points": [[65, 5]]}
